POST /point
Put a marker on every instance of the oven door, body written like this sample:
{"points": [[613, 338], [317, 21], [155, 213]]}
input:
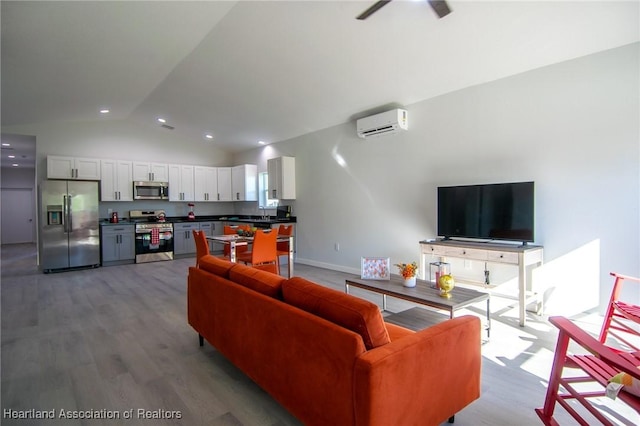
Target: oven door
{"points": [[153, 244]]}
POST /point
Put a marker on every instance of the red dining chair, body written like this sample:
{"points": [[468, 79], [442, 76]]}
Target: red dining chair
{"points": [[202, 245], [233, 230], [592, 363], [263, 253], [622, 319], [282, 247]]}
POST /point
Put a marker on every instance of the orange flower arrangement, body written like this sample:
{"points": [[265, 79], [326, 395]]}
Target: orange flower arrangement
{"points": [[408, 270]]}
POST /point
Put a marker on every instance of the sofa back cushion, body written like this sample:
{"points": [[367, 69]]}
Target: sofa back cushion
{"points": [[215, 265], [355, 314], [258, 280]]}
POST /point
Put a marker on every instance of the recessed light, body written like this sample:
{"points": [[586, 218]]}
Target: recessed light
{"points": [[105, 111], [262, 142], [162, 120], [6, 144], [208, 136], [11, 156], [14, 165]]}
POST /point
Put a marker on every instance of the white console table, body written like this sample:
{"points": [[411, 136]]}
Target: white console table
{"points": [[525, 257]]}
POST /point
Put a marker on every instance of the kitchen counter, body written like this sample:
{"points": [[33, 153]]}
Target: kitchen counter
{"points": [[105, 222], [227, 218], [219, 218]]}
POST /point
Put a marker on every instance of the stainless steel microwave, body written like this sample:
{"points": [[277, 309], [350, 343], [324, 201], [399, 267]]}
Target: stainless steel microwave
{"points": [[150, 190]]}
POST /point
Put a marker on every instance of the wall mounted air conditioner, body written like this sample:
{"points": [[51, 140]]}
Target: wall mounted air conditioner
{"points": [[385, 123]]}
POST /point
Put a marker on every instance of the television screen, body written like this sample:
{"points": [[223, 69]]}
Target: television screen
{"points": [[501, 211]]}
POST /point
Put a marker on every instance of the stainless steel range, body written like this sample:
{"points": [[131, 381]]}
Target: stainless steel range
{"points": [[154, 236]]}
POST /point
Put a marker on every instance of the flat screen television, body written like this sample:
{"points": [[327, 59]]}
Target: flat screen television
{"points": [[500, 211]]}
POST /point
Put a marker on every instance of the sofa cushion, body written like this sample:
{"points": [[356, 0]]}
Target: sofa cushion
{"points": [[258, 280], [355, 314], [215, 265]]}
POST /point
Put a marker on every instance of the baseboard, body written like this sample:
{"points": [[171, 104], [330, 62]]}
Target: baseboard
{"points": [[330, 266]]}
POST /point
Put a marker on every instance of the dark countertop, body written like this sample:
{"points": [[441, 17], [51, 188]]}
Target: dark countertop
{"points": [[217, 218], [233, 218], [105, 222]]}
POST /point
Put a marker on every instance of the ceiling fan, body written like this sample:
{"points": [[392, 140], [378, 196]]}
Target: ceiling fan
{"points": [[439, 6]]}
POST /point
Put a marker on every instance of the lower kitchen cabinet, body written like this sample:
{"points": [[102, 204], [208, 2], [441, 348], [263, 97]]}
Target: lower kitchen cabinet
{"points": [[211, 228], [183, 242], [118, 245]]}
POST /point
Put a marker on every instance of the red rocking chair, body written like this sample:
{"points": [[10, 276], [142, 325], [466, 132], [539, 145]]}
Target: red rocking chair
{"points": [[622, 319], [598, 365]]}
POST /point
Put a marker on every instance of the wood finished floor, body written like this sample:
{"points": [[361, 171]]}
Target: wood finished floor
{"points": [[116, 338]]}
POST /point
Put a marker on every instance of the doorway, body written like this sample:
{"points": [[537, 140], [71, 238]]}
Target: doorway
{"points": [[18, 225]]}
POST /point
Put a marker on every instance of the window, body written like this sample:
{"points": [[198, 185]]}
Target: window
{"points": [[263, 192]]}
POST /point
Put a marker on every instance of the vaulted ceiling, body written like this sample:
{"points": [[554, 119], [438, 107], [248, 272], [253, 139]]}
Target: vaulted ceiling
{"points": [[271, 70]]}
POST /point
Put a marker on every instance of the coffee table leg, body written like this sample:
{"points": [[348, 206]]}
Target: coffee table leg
{"points": [[488, 320]]}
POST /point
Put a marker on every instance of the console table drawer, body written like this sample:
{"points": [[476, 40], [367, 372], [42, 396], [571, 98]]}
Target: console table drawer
{"points": [[502, 257], [466, 253], [461, 252]]}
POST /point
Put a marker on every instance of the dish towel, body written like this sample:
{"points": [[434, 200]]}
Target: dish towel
{"points": [[155, 238]]}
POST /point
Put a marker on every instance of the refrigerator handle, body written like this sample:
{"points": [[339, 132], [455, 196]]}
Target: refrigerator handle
{"points": [[69, 223], [64, 214]]}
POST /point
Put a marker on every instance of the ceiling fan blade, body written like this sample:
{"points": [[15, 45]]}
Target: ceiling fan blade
{"points": [[374, 8], [440, 7]]}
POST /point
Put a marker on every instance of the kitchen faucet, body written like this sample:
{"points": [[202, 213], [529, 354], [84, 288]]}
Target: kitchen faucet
{"points": [[264, 212]]}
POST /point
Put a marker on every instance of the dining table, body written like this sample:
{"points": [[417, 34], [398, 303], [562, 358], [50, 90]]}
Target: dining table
{"points": [[234, 241]]}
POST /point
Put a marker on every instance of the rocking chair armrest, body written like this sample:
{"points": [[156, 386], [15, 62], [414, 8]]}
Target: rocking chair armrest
{"points": [[624, 277], [591, 344]]}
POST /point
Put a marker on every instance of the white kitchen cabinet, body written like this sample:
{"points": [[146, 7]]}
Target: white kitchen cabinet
{"points": [[244, 182], [118, 244], [117, 180], [150, 172], [225, 188], [205, 183], [73, 168], [282, 178], [181, 185]]}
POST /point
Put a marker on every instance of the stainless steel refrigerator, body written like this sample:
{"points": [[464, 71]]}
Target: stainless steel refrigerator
{"points": [[69, 234]]}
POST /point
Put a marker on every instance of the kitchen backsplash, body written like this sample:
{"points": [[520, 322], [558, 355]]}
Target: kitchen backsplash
{"points": [[173, 209]]}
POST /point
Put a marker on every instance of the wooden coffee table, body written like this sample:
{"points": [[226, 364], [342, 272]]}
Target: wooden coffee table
{"points": [[422, 294]]}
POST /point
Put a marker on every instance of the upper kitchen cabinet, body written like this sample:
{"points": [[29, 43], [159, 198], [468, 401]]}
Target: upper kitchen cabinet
{"points": [[225, 188], [150, 172], [244, 182], [117, 181], [205, 183], [282, 178], [181, 184], [73, 168]]}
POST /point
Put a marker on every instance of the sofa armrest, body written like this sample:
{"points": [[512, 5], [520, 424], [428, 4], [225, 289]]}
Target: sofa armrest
{"points": [[423, 378]]}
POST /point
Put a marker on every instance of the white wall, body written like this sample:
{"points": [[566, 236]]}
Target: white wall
{"points": [[573, 128]]}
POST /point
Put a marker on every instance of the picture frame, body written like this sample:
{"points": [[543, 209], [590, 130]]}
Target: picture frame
{"points": [[375, 268]]}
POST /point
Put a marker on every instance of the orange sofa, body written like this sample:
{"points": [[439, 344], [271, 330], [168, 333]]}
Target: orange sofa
{"points": [[328, 357]]}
